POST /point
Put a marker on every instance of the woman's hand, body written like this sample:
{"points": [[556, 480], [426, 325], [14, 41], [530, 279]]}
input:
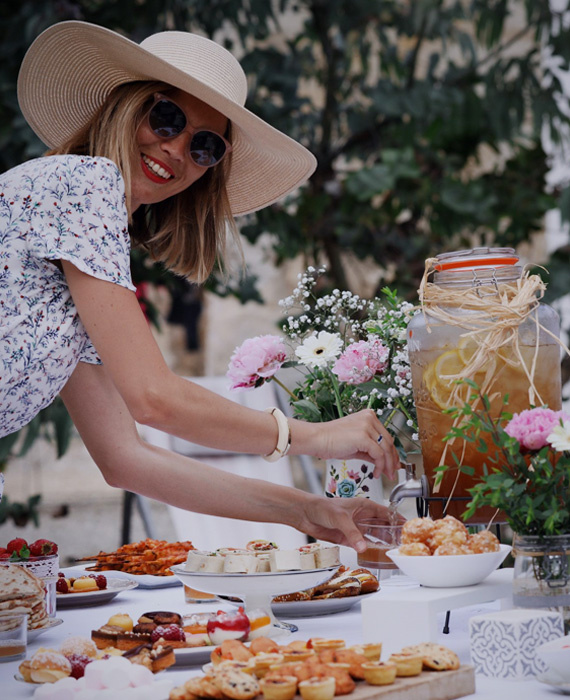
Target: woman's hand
{"points": [[335, 519], [357, 436]]}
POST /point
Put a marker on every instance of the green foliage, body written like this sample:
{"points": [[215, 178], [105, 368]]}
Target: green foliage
{"points": [[20, 513], [531, 487], [398, 101]]}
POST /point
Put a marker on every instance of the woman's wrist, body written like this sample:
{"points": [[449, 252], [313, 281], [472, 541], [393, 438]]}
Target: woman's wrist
{"points": [[283, 436]]}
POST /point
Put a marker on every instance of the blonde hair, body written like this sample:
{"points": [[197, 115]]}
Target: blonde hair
{"points": [[187, 232]]}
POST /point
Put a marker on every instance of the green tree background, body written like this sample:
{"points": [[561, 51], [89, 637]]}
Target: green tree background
{"points": [[425, 115]]}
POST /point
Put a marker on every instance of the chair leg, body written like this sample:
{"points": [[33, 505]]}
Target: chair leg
{"points": [[446, 623]]}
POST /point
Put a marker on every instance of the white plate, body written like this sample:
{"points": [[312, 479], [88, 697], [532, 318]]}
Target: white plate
{"points": [[256, 590], [114, 587], [310, 608], [54, 622], [193, 656], [269, 583], [143, 580]]}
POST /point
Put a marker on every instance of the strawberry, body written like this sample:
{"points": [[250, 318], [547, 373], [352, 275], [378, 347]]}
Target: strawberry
{"points": [[41, 548], [4, 553], [18, 546]]}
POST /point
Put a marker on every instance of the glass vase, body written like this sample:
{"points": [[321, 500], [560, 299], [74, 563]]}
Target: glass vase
{"points": [[541, 577]]}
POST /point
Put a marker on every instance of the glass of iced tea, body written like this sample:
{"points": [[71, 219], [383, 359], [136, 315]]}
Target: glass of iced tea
{"points": [[13, 636], [380, 537]]}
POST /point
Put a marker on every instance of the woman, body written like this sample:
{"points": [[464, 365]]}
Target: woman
{"points": [[151, 144]]}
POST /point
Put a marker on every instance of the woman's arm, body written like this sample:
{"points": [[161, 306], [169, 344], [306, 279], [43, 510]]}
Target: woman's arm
{"points": [[127, 462], [157, 397]]}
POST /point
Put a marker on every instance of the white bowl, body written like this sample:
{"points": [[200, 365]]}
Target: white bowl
{"points": [[556, 655], [449, 571]]}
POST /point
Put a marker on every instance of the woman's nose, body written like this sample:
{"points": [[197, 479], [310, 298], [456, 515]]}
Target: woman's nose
{"points": [[179, 146]]}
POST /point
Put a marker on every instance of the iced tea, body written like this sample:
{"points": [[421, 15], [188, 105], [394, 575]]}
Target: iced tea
{"points": [[435, 390]]}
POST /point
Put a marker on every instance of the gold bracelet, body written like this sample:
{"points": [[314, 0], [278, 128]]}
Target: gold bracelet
{"points": [[284, 437]]}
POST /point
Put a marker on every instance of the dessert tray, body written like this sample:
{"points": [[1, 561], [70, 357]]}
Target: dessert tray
{"points": [[142, 580], [115, 586], [256, 590]]}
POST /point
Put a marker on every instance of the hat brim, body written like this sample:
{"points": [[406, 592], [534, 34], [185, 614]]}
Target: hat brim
{"points": [[72, 67]]}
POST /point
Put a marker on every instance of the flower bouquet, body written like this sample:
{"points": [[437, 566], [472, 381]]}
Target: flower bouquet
{"points": [[527, 472], [527, 476], [349, 353]]}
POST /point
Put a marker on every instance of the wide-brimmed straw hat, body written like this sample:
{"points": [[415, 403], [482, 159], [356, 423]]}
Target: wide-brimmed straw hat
{"points": [[71, 68]]}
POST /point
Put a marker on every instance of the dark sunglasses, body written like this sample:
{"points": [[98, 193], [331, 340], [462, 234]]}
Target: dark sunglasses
{"points": [[167, 120]]}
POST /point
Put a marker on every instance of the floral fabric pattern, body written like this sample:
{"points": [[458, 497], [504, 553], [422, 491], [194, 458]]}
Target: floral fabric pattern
{"points": [[53, 208], [343, 481]]}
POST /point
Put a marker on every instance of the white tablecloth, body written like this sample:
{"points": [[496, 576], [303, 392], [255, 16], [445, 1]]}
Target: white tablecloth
{"points": [[346, 625]]}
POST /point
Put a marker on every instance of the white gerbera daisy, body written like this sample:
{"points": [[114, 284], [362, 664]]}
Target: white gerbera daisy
{"points": [[319, 348], [559, 438]]}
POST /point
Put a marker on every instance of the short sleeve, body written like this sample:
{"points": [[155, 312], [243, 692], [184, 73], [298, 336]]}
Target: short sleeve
{"points": [[83, 218]]}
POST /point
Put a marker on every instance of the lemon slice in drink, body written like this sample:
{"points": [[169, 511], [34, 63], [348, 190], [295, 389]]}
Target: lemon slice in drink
{"points": [[467, 347], [444, 391]]}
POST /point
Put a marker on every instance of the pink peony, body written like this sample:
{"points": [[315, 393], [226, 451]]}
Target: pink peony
{"points": [[532, 427], [255, 361], [361, 361]]}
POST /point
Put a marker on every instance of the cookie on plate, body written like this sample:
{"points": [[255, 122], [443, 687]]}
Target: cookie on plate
{"points": [[238, 685], [435, 656]]}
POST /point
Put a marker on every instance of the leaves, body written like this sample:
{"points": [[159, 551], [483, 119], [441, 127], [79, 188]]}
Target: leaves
{"points": [[533, 489]]}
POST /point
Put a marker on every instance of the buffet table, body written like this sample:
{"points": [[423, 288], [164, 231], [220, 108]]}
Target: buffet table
{"points": [[348, 625]]}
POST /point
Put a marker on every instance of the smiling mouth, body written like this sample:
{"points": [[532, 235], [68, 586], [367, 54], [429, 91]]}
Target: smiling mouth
{"points": [[156, 169]]}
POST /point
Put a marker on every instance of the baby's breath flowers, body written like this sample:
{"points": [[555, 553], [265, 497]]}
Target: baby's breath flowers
{"points": [[351, 354]]}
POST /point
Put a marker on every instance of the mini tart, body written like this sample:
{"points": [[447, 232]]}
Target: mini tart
{"points": [[320, 644], [371, 651], [290, 655], [379, 672], [317, 688], [284, 688], [261, 663], [407, 664]]}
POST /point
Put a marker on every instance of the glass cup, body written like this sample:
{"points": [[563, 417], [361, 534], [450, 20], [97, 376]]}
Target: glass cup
{"points": [[380, 537], [191, 595], [13, 636]]}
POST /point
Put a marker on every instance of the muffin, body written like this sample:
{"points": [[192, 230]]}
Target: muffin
{"points": [[379, 672]]}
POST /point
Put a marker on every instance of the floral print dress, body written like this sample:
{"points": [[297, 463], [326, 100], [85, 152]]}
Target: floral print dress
{"points": [[53, 208]]}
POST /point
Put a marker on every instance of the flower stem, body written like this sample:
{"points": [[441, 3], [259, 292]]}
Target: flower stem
{"points": [[336, 393], [285, 389]]}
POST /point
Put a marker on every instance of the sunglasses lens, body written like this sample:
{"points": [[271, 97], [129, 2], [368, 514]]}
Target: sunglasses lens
{"points": [[166, 119], [207, 148]]}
